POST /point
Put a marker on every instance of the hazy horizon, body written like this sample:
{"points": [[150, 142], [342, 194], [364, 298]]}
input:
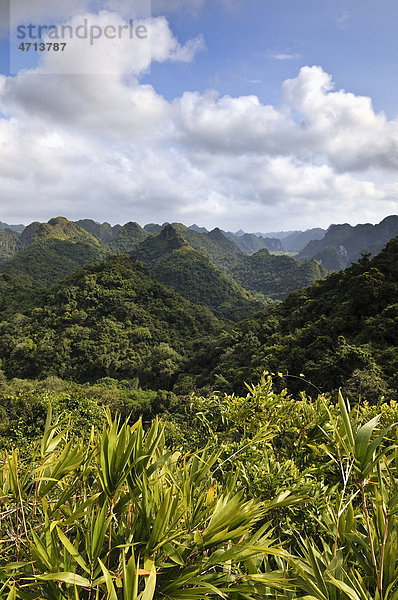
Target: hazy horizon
{"points": [[209, 228]]}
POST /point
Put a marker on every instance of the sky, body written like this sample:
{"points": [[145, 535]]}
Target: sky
{"points": [[264, 115]]}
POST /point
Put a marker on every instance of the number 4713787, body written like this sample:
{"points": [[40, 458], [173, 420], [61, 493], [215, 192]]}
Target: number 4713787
{"points": [[42, 46]]}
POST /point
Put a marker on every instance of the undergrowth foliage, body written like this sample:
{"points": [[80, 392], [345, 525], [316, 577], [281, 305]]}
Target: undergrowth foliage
{"points": [[276, 497], [125, 517]]}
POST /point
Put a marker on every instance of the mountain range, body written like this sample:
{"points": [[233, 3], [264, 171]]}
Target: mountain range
{"points": [[206, 268], [349, 243], [335, 247], [115, 318], [183, 309]]}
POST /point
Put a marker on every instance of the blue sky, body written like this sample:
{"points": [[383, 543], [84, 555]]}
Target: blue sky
{"points": [[334, 53], [354, 40]]}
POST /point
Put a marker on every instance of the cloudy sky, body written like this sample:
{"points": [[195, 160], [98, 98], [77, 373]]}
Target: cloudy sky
{"points": [[253, 114]]}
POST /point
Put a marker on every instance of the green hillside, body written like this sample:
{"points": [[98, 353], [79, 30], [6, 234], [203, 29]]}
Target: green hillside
{"points": [[221, 252], [109, 319], [276, 276], [45, 253], [102, 231], [58, 228], [342, 331], [14, 294], [48, 261], [154, 228], [189, 272], [128, 238], [261, 273], [9, 244], [331, 259], [51, 251]]}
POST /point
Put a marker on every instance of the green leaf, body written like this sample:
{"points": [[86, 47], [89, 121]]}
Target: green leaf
{"points": [[12, 593], [346, 421], [64, 577], [150, 586], [112, 595], [363, 437], [72, 550], [351, 593]]}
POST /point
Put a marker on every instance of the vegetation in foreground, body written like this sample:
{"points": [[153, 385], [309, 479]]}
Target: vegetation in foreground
{"points": [[289, 498]]}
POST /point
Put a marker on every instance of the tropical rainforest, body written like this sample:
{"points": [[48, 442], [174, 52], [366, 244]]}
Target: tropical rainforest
{"points": [[188, 414]]}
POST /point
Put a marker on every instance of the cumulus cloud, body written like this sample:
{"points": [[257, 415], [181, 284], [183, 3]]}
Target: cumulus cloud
{"points": [[313, 122], [107, 106], [341, 124], [115, 149]]}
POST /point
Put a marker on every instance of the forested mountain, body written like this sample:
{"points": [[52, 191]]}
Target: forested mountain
{"points": [[114, 319], [331, 259], [47, 261], [58, 228], [179, 266], [154, 228], [276, 276], [52, 250], [9, 243], [351, 242], [197, 279], [118, 238], [47, 252], [206, 268], [110, 319], [223, 253], [102, 231], [128, 238], [341, 331]]}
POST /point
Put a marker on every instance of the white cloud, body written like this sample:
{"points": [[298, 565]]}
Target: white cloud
{"points": [[285, 56], [340, 124]]}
